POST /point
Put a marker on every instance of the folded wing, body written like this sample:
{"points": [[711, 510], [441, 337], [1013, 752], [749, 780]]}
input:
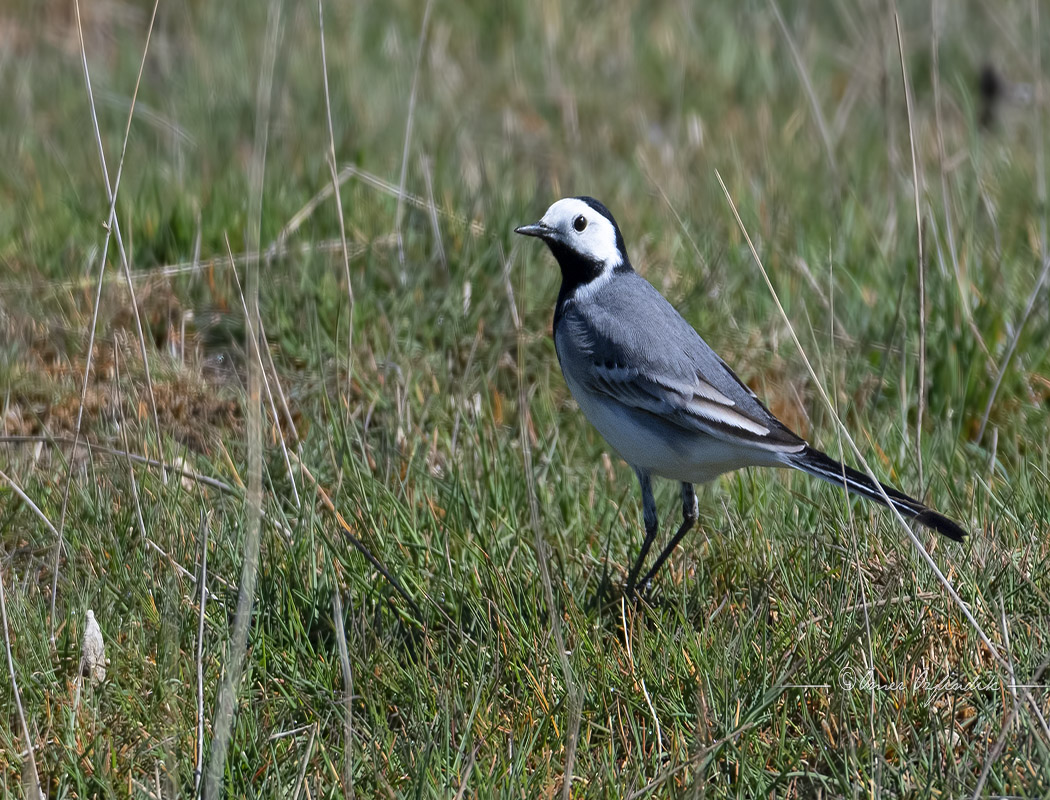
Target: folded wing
{"points": [[636, 349]]}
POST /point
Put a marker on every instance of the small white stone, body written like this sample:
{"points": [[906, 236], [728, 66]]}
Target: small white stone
{"points": [[93, 653]]}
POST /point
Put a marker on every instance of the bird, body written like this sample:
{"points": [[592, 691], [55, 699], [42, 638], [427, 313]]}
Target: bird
{"points": [[658, 394]]}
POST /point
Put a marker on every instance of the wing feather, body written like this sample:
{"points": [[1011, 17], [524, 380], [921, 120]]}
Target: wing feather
{"points": [[697, 407], [615, 347]]}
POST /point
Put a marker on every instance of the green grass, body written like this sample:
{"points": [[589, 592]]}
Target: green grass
{"points": [[421, 446]]}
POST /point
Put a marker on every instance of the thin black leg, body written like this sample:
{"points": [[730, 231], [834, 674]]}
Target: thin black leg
{"points": [[651, 525], [690, 511]]}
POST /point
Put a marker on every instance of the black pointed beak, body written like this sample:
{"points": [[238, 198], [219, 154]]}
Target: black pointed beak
{"points": [[537, 229]]}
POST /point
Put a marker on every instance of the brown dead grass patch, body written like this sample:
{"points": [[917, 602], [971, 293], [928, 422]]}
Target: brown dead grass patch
{"points": [[198, 403]]}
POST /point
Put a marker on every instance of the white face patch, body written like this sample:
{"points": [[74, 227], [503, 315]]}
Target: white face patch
{"points": [[593, 236]]}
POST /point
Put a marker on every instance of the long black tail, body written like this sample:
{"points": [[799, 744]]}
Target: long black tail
{"points": [[821, 466]]}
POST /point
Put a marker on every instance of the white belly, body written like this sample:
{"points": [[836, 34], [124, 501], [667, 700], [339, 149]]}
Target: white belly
{"points": [[648, 443]]}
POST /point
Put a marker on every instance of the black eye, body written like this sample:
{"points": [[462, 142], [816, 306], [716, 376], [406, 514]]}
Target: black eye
{"points": [[579, 223]]}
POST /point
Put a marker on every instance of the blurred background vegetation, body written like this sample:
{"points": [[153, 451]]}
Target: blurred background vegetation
{"points": [[414, 382]]}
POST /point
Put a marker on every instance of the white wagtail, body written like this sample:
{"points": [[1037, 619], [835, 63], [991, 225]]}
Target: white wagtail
{"points": [[654, 389]]}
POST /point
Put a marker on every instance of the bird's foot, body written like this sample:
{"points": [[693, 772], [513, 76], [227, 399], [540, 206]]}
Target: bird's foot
{"points": [[640, 593]]}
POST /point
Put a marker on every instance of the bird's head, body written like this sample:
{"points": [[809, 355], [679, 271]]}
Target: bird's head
{"points": [[583, 236]]}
